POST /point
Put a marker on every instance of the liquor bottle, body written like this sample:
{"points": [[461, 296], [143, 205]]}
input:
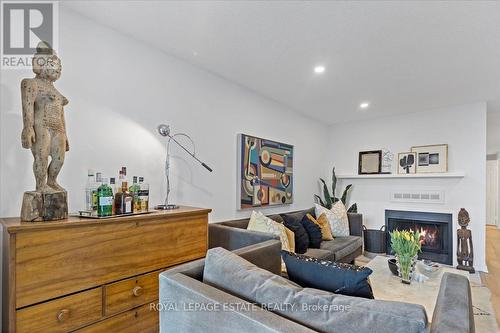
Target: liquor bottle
{"points": [[120, 180], [134, 190], [90, 191], [112, 184], [95, 200], [143, 195], [105, 199], [124, 201]]}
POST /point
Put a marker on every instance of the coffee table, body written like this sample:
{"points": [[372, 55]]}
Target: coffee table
{"points": [[387, 286]]}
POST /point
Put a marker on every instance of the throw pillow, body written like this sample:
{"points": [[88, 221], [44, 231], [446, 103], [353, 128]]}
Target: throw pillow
{"points": [[291, 239], [301, 236], [313, 231], [260, 222], [326, 232], [337, 218], [339, 278]]}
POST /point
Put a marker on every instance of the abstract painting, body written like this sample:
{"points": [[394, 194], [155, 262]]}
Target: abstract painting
{"points": [[266, 172]]}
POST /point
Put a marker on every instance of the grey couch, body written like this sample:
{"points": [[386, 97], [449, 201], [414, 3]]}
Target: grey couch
{"points": [[206, 308], [341, 249]]}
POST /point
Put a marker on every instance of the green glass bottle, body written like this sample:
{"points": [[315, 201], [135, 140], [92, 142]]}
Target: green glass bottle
{"points": [[134, 190], [105, 199]]}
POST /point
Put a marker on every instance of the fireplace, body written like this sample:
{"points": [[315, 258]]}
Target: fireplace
{"points": [[435, 232]]}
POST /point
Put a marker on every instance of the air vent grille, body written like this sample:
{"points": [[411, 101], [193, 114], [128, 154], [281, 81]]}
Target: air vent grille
{"points": [[418, 196]]}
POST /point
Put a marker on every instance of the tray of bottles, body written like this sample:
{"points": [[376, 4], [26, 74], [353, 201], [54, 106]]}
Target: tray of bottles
{"points": [[91, 215]]}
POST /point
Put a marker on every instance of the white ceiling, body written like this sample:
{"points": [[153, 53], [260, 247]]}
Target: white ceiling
{"points": [[400, 56]]}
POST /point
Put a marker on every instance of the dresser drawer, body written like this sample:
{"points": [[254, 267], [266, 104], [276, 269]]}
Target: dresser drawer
{"points": [[84, 257], [61, 315], [139, 320], [130, 293]]}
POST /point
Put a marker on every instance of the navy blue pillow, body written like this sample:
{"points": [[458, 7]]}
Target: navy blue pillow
{"points": [[301, 236], [326, 275], [313, 231]]}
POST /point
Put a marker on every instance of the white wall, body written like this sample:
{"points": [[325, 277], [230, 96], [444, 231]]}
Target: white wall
{"points": [[119, 91], [463, 128]]}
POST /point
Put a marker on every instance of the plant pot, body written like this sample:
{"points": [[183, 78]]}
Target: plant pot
{"points": [[406, 267]]}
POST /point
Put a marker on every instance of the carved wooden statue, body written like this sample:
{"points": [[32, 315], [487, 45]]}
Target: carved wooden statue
{"points": [[465, 249], [44, 133]]}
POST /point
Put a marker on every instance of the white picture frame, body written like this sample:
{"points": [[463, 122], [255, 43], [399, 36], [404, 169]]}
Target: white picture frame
{"points": [[431, 158]]}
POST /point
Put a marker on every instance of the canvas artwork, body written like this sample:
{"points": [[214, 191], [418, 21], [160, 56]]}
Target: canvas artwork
{"points": [[266, 172]]}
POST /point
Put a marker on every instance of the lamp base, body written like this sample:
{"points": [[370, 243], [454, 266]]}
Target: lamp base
{"points": [[166, 207]]}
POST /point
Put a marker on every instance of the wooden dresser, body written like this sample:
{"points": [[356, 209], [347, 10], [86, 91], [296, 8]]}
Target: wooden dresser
{"points": [[88, 275]]}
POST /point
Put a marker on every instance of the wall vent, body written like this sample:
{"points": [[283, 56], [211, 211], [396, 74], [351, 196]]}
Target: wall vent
{"points": [[418, 196]]}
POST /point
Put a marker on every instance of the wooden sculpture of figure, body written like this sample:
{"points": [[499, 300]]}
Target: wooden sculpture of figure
{"points": [[465, 249], [44, 133]]}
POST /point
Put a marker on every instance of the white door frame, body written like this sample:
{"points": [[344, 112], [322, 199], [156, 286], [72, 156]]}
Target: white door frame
{"points": [[492, 202]]}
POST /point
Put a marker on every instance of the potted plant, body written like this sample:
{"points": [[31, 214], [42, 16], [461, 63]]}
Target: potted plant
{"points": [[406, 245]]}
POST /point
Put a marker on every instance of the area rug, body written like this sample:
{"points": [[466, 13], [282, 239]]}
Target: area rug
{"points": [[484, 315]]}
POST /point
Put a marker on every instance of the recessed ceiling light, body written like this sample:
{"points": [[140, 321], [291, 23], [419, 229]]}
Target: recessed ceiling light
{"points": [[364, 105], [319, 69]]}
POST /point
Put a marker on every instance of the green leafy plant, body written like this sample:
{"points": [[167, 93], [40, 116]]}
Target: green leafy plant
{"points": [[329, 199], [405, 243]]}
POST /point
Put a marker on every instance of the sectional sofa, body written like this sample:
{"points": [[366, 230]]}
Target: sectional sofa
{"points": [[223, 305], [341, 249]]}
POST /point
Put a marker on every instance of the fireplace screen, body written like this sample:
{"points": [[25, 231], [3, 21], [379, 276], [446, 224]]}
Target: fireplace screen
{"points": [[434, 229], [431, 235]]}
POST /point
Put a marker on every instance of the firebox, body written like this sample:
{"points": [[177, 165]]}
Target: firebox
{"points": [[435, 232]]}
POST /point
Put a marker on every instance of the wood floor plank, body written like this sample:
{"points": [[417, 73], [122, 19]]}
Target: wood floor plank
{"points": [[492, 278]]}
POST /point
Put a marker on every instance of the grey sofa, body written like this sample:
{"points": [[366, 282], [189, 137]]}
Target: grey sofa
{"points": [[206, 308], [341, 249]]}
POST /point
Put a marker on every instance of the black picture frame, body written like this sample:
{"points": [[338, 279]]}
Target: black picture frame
{"points": [[373, 171]]}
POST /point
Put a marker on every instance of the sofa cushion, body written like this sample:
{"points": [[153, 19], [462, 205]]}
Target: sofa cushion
{"points": [[319, 310], [342, 246], [313, 231], [320, 254], [277, 218], [301, 236], [327, 275]]}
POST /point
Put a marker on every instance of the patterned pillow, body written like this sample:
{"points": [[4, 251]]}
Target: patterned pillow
{"points": [[338, 278], [313, 230], [260, 222], [337, 218]]}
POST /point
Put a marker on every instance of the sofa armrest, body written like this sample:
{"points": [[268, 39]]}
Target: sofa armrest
{"points": [[234, 238], [355, 224], [188, 305], [266, 255], [453, 311]]}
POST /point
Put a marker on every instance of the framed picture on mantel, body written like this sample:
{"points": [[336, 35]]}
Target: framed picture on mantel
{"points": [[370, 162], [431, 158]]}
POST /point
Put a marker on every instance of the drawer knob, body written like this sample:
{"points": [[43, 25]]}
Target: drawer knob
{"points": [[137, 291], [62, 315]]}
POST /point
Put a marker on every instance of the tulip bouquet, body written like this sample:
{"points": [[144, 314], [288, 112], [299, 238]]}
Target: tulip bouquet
{"points": [[406, 245]]}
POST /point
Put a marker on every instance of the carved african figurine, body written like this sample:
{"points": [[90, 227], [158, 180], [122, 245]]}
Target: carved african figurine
{"points": [[465, 249], [44, 133]]}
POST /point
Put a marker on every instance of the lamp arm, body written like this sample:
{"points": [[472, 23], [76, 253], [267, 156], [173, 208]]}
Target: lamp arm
{"points": [[193, 154]]}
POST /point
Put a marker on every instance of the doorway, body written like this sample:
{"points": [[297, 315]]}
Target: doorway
{"points": [[492, 192]]}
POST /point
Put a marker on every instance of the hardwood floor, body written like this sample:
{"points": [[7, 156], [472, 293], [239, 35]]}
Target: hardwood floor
{"points": [[492, 279]]}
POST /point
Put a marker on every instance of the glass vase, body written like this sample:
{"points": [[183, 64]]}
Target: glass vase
{"points": [[406, 267]]}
